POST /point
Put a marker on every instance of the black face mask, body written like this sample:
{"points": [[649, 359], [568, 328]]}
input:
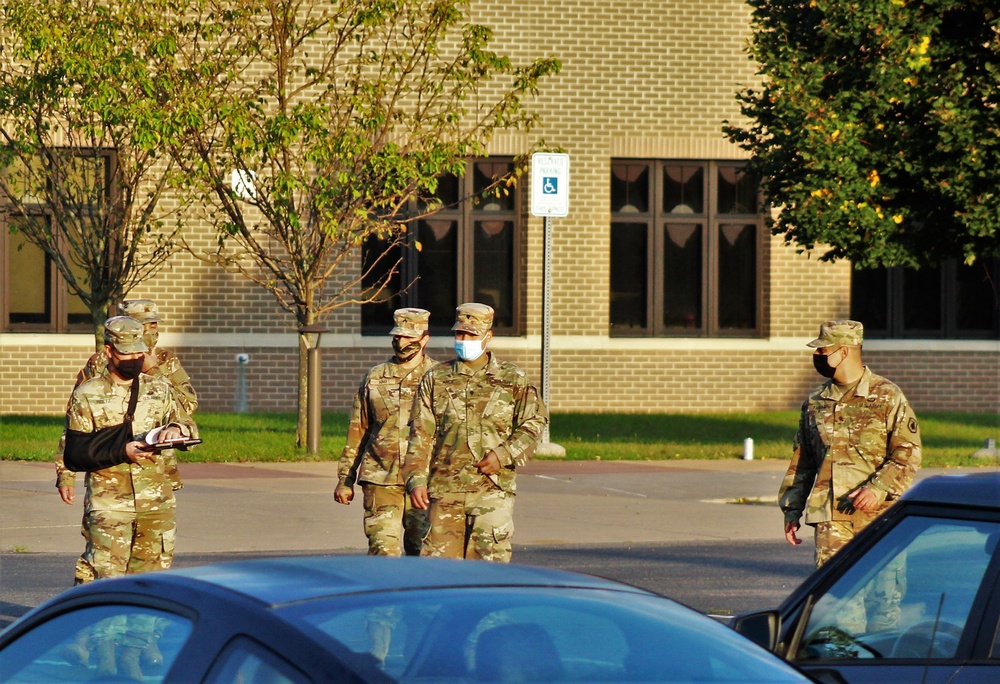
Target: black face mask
{"points": [[129, 368], [821, 362], [407, 352]]}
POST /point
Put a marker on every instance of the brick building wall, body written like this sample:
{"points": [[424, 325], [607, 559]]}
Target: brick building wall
{"points": [[641, 80]]}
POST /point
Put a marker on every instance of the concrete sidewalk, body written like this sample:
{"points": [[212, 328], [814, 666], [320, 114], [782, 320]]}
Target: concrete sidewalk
{"points": [[290, 506]]}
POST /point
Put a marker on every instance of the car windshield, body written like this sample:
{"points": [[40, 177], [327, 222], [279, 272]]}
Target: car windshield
{"points": [[909, 596], [543, 634]]}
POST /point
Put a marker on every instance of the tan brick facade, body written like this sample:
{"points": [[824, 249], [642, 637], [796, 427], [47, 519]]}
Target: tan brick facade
{"points": [[644, 80]]}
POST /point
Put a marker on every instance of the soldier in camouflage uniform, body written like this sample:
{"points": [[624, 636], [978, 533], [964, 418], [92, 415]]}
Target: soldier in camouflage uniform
{"points": [[475, 419], [158, 362], [857, 449], [377, 438], [129, 509]]}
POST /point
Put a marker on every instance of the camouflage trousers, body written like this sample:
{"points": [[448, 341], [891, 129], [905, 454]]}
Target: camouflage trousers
{"points": [[473, 525], [124, 543], [832, 535], [393, 526], [878, 607]]}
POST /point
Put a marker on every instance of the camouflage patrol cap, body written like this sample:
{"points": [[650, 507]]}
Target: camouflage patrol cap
{"points": [[142, 310], [124, 334], [410, 322], [839, 333], [473, 317]]}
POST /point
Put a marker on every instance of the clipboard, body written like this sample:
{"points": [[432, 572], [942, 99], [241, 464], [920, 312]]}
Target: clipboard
{"points": [[180, 444]]}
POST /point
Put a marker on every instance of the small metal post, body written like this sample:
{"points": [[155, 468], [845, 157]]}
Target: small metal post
{"points": [[546, 317], [546, 447], [241, 401]]}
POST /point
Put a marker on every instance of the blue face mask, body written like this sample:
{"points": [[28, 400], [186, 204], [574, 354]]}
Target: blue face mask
{"points": [[469, 350]]}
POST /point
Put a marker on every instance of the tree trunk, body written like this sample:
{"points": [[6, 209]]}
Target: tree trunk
{"points": [[99, 314], [301, 425]]}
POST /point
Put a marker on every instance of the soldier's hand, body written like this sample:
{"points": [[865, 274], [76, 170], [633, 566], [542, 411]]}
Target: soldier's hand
{"points": [[135, 452], [790, 529], [420, 498], [863, 499], [67, 494], [490, 465], [149, 362], [343, 494]]}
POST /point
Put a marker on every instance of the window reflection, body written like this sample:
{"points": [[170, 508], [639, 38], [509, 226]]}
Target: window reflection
{"points": [[98, 644], [630, 188], [922, 299], [377, 263], [683, 189], [869, 299], [682, 272], [466, 250], [30, 276], [908, 597], [737, 191], [437, 284], [977, 298], [485, 175], [494, 269], [676, 267], [951, 301], [629, 247], [737, 269]]}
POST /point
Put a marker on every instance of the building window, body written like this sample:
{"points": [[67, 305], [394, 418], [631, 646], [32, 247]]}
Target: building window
{"points": [[950, 301], [686, 246], [35, 296], [468, 251]]}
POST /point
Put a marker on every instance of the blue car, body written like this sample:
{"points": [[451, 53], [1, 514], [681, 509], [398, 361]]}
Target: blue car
{"points": [[374, 619], [914, 598]]}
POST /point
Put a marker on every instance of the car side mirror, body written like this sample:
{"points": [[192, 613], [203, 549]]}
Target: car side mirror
{"points": [[761, 628]]}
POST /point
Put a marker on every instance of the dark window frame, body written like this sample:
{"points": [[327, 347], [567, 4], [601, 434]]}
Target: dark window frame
{"points": [[710, 219], [892, 292], [467, 212]]}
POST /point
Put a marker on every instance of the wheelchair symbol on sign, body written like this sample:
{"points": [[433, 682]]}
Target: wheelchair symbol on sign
{"points": [[550, 185]]}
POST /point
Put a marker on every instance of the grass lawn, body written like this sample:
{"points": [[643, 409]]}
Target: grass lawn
{"points": [[949, 438]]}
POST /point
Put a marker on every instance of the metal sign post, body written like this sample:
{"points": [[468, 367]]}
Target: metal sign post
{"points": [[549, 197]]}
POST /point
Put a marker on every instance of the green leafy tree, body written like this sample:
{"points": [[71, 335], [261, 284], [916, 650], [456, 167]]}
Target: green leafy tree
{"points": [[345, 117], [85, 89], [876, 130]]}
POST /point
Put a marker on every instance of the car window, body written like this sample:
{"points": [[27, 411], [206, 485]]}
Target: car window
{"points": [[244, 661], [546, 635], [116, 642], [909, 596]]}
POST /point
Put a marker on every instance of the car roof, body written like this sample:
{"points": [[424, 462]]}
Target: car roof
{"points": [[971, 489], [300, 578]]}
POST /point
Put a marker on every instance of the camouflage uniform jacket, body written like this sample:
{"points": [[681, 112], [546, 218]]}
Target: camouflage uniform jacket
{"points": [[380, 424], [168, 366], [460, 415], [130, 487], [868, 436]]}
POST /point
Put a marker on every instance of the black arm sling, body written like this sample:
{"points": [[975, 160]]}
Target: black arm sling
{"points": [[89, 451]]}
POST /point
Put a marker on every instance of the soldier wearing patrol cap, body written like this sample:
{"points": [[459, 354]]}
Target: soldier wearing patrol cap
{"points": [[129, 515], [118, 497], [857, 448], [377, 436], [157, 362], [475, 420]]}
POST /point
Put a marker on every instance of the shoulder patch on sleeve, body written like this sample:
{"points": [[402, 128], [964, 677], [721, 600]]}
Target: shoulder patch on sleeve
{"points": [[912, 425]]}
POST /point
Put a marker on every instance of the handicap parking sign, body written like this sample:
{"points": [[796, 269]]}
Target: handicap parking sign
{"points": [[549, 184]]}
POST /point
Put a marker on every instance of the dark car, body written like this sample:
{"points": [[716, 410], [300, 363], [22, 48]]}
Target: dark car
{"points": [[358, 618], [914, 598]]}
